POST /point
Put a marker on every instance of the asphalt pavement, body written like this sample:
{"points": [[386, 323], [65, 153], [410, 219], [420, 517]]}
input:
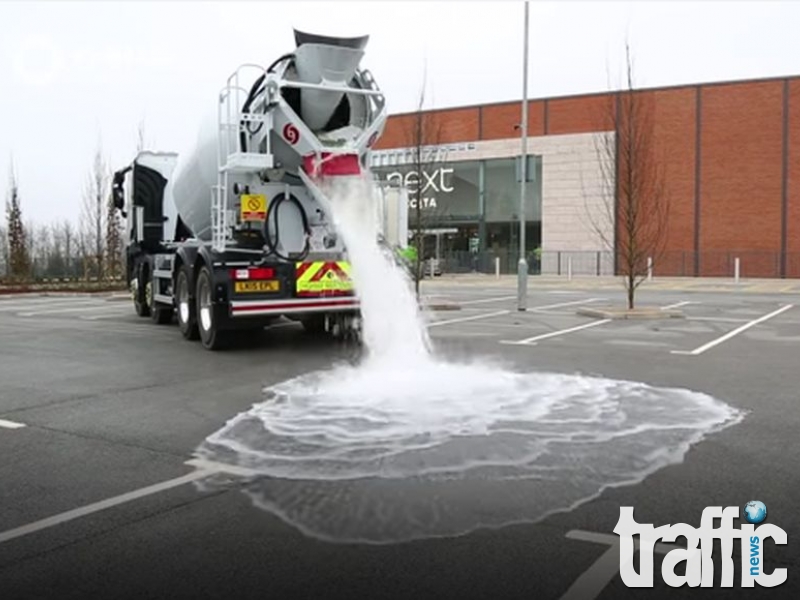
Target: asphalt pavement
{"points": [[101, 495]]}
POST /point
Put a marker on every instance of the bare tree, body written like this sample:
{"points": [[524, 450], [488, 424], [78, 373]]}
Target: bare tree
{"points": [[633, 223], [93, 217], [3, 252], [30, 246], [18, 257], [113, 240], [57, 266], [69, 248], [41, 250], [422, 181]]}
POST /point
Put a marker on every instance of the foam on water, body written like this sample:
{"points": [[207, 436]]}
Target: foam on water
{"points": [[393, 327], [406, 445]]}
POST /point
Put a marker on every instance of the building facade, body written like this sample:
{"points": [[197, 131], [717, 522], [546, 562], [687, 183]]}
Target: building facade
{"points": [[729, 153]]}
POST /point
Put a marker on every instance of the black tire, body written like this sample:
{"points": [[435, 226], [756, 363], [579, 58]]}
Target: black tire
{"points": [[160, 313], [210, 335], [314, 324], [187, 317], [138, 284]]}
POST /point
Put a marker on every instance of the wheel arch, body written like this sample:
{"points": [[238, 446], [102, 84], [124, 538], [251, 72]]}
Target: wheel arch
{"points": [[189, 256]]}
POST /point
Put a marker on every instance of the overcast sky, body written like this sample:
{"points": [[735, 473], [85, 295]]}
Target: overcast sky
{"points": [[73, 74]]}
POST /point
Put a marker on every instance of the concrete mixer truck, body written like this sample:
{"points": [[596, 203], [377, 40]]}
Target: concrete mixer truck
{"points": [[237, 233]]}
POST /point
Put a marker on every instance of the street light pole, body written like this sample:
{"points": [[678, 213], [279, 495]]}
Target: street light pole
{"points": [[522, 266]]}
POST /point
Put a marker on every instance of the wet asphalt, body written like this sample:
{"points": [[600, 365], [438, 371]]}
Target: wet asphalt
{"points": [[110, 404]]}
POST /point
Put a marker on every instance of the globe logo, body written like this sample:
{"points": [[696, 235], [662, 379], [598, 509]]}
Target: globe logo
{"points": [[755, 512]]}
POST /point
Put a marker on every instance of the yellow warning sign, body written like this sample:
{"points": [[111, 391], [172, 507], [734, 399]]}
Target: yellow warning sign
{"points": [[323, 278], [254, 207]]}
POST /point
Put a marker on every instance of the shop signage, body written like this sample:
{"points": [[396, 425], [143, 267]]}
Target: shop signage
{"points": [[423, 188]]}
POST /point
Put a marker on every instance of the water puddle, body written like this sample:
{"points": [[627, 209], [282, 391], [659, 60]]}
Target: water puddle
{"points": [[406, 445]]}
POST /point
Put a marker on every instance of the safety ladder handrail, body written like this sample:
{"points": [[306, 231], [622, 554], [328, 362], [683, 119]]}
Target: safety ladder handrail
{"points": [[229, 120]]}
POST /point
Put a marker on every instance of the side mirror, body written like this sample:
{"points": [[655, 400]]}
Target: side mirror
{"points": [[118, 193], [119, 199]]}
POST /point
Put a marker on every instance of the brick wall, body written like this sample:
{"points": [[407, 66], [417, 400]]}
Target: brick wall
{"points": [[793, 181], [740, 175], [578, 115], [674, 138], [438, 127], [498, 121], [732, 191]]}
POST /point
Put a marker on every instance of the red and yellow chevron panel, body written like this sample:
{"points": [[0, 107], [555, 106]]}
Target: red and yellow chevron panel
{"points": [[323, 278]]}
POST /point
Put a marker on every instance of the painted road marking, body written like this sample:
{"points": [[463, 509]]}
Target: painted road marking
{"points": [[93, 307], [81, 326], [472, 318], [203, 468], [83, 511], [36, 304], [560, 304], [718, 319], [113, 315], [11, 424], [218, 467], [43, 329], [678, 304], [594, 580], [733, 333], [531, 341], [534, 308], [495, 299]]}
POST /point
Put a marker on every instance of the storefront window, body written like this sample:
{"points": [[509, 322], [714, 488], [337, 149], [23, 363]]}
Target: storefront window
{"points": [[448, 195], [503, 189], [446, 192]]}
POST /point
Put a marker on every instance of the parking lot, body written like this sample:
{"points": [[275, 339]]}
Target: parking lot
{"points": [[100, 412]]}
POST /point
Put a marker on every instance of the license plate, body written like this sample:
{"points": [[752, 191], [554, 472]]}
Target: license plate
{"points": [[257, 286]]}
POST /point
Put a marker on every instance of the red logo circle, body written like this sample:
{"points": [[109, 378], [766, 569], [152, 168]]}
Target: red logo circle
{"points": [[291, 134]]}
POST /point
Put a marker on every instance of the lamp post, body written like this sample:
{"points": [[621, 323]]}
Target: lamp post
{"points": [[522, 266]]}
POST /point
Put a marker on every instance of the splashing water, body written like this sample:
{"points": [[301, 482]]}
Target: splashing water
{"points": [[406, 446], [393, 327]]}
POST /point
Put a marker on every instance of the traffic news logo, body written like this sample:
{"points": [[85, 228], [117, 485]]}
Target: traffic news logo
{"points": [[699, 562]]}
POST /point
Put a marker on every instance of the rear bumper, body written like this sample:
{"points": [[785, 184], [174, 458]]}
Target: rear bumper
{"points": [[260, 308]]}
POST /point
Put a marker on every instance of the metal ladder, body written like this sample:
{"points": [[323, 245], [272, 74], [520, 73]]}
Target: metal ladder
{"points": [[230, 157]]}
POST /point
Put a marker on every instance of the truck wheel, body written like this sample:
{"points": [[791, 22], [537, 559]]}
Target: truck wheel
{"points": [[138, 291], [187, 321], [210, 335], [160, 313], [314, 324]]}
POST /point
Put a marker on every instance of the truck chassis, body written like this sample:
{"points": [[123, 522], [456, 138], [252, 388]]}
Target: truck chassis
{"points": [[209, 294]]}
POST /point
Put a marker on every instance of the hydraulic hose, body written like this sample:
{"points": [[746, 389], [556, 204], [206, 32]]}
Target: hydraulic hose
{"points": [[255, 89], [274, 207]]}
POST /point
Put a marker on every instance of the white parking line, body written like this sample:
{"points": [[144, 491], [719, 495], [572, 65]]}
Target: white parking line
{"points": [[595, 579], [560, 304], [718, 319], [109, 316], [733, 333], [102, 505], [531, 341], [482, 300], [472, 318], [95, 307], [11, 424], [10, 306], [678, 304], [202, 469], [217, 467], [82, 326]]}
